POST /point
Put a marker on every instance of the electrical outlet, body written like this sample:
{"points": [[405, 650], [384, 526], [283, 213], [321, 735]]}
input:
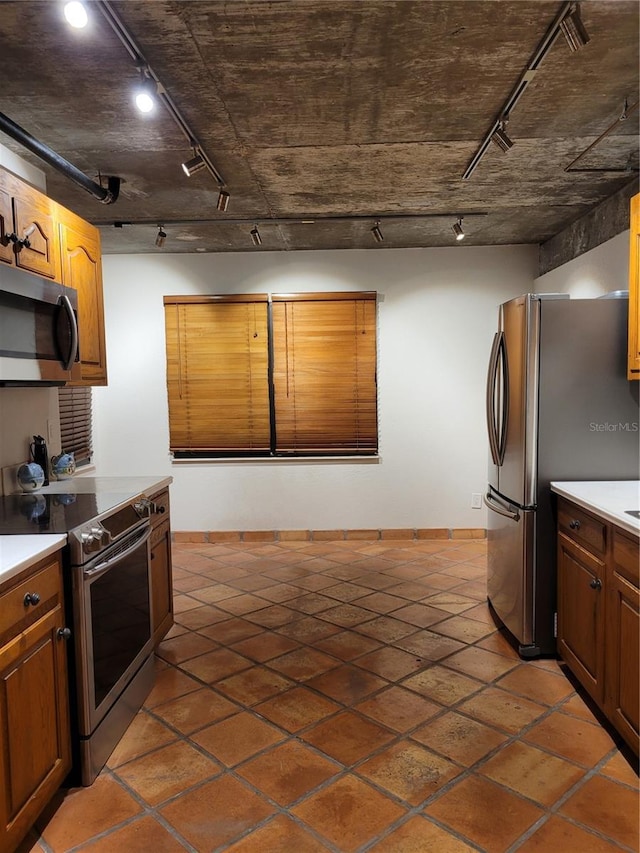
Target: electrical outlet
{"points": [[476, 500], [50, 431]]}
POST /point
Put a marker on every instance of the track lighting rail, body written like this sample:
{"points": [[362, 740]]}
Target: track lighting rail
{"points": [[140, 61], [528, 75]]}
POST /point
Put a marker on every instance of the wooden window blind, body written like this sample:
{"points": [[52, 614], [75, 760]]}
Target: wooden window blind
{"points": [[217, 374], [294, 375], [74, 404], [325, 373]]}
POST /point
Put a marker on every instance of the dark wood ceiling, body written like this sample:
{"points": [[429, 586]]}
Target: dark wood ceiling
{"points": [[342, 112]]}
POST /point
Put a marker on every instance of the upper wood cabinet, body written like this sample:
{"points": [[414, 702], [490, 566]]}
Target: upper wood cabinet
{"points": [[28, 231], [82, 270], [633, 369], [63, 247]]}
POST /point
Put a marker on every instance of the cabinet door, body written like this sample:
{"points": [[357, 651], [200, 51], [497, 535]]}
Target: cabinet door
{"points": [[581, 614], [161, 581], [82, 270], [6, 228], [33, 218], [633, 371], [34, 725], [622, 661]]}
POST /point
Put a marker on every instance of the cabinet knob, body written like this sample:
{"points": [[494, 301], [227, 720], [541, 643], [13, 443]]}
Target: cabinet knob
{"points": [[32, 598], [64, 633], [575, 524], [596, 583]]}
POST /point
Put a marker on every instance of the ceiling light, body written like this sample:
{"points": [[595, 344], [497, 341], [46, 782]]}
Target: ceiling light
{"points": [[76, 15], [500, 137], [574, 30], [458, 230], [146, 92], [223, 201], [190, 167], [161, 237], [377, 233], [256, 239]]}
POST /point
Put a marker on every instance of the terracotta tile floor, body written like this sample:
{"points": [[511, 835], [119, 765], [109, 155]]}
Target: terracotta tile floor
{"points": [[349, 696]]}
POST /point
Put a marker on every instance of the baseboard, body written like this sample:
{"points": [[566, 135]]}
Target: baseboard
{"points": [[368, 535]]}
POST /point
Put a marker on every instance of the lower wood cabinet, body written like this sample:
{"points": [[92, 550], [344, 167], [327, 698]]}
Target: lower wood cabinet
{"points": [[161, 573], [34, 700], [598, 613]]}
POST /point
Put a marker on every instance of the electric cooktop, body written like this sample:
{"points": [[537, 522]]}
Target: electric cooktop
{"points": [[34, 512]]}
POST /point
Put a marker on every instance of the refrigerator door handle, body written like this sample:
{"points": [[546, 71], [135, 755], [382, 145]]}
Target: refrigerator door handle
{"points": [[500, 395], [494, 505]]}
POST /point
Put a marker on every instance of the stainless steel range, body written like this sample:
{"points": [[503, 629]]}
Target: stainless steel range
{"points": [[113, 644], [108, 596]]}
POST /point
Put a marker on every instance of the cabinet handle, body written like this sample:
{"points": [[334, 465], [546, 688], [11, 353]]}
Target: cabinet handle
{"points": [[32, 598], [64, 633], [596, 583], [575, 524]]}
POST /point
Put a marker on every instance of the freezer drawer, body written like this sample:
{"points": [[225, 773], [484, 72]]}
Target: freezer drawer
{"points": [[510, 568]]}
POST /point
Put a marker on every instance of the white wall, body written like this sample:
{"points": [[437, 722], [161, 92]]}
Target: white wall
{"points": [[596, 272], [437, 313]]}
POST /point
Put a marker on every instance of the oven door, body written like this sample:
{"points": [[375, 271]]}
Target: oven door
{"points": [[112, 618]]}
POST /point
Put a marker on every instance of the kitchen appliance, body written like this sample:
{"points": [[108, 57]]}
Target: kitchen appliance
{"points": [[559, 407], [38, 330], [108, 599], [40, 455]]}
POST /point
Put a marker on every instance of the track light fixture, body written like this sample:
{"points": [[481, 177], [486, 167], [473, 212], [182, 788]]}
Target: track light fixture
{"points": [[223, 201], [161, 237], [458, 230], [256, 239], [146, 92], [500, 137], [76, 14], [377, 233], [190, 167], [573, 29]]}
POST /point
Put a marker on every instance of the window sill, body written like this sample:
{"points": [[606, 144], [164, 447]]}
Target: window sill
{"points": [[281, 460]]}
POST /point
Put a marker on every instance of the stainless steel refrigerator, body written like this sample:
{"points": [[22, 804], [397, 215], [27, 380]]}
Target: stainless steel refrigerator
{"points": [[559, 407]]}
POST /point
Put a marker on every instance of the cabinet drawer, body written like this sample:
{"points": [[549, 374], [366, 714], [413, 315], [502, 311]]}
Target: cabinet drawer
{"points": [[161, 502], [17, 612], [626, 552], [583, 528]]}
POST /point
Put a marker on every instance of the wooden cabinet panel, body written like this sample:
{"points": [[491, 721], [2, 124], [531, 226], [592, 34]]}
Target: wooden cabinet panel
{"points": [[82, 270], [633, 369], [598, 614], [161, 570], [581, 614], [34, 717], [622, 662], [161, 582], [33, 218], [6, 227]]}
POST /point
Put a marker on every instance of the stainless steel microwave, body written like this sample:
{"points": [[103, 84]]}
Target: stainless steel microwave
{"points": [[38, 330]]}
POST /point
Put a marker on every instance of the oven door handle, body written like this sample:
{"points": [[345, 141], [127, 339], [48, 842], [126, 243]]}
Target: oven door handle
{"points": [[120, 555]]}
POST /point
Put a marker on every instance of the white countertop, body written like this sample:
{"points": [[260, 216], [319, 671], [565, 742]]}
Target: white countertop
{"points": [[606, 499], [20, 552]]}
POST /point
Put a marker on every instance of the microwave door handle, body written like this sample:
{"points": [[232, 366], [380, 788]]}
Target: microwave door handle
{"points": [[110, 562], [491, 389], [73, 348]]}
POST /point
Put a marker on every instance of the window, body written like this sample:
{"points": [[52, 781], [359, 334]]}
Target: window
{"points": [[74, 405], [287, 375]]}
